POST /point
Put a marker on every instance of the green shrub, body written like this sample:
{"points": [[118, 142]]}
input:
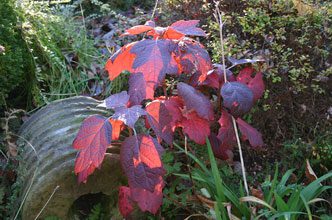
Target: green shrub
{"points": [[15, 61], [296, 42]]}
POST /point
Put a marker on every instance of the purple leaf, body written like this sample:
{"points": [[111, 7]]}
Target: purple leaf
{"points": [[195, 100], [154, 59], [188, 28], [93, 138], [117, 100], [237, 97], [147, 200], [129, 116], [137, 89], [219, 150], [236, 62]]}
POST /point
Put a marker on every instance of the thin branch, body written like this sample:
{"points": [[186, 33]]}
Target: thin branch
{"points": [[49, 199], [218, 17], [154, 9], [241, 156]]}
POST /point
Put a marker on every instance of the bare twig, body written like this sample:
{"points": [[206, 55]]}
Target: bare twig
{"points": [[218, 17], [49, 199], [154, 9], [241, 156]]}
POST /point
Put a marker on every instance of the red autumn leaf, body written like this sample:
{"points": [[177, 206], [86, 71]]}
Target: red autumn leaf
{"points": [[140, 160], [83, 175], [160, 120], [149, 25], [117, 127], [237, 97], [120, 61], [154, 59], [181, 28], [126, 205], [197, 128], [149, 201], [137, 89], [226, 132], [244, 75], [250, 133], [219, 150], [117, 100], [93, 138], [128, 115], [194, 59], [212, 80], [174, 105], [255, 84], [195, 100]]}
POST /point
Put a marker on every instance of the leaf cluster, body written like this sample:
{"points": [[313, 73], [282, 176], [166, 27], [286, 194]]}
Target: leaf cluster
{"points": [[184, 109]]}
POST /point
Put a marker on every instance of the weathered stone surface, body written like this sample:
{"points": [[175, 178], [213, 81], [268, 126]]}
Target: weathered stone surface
{"points": [[51, 131]]}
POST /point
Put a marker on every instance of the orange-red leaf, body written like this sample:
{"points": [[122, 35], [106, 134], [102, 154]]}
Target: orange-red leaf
{"points": [[149, 25], [140, 159], [120, 61], [117, 127], [197, 128]]}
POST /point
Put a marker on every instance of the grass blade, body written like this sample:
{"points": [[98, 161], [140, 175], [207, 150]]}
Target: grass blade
{"points": [[218, 181], [257, 200]]}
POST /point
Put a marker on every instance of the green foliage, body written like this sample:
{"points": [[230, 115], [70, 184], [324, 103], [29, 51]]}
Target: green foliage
{"points": [[90, 5], [210, 179], [63, 53], [295, 39], [280, 199], [289, 201], [296, 42], [96, 212], [10, 188], [296, 46], [15, 61]]}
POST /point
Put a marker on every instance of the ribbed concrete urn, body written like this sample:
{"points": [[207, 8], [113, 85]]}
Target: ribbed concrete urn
{"points": [[51, 131]]}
